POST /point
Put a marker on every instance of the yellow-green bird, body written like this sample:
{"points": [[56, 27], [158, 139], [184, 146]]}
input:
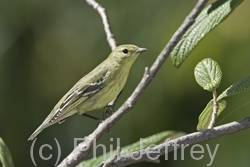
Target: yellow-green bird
{"points": [[96, 89]]}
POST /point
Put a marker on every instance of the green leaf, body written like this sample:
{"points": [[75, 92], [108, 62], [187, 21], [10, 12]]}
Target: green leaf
{"points": [[207, 20], [208, 74], [154, 139], [142, 144], [5, 156], [206, 115], [237, 87]]}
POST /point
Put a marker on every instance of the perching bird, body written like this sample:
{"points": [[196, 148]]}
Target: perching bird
{"points": [[96, 89]]}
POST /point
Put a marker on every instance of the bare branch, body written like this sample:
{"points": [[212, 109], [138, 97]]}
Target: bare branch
{"points": [[182, 141], [82, 150], [101, 11], [110, 161]]}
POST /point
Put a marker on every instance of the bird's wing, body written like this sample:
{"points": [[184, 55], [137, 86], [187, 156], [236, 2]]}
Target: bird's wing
{"points": [[79, 95], [72, 99]]}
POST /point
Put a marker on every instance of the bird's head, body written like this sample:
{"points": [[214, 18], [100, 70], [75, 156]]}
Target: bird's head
{"points": [[126, 54]]}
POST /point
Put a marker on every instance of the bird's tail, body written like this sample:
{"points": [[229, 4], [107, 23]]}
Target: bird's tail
{"points": [[37, 131], [47, 122]]}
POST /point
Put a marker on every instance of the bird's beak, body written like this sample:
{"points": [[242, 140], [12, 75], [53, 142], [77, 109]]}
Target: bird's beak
{"points": [[140, 50]]}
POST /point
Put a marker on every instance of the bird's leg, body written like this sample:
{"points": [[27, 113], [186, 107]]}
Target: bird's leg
{"points": [[109, 109], [91, 116]]}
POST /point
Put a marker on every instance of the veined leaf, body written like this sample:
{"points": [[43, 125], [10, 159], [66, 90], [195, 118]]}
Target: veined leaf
{"points": [[237, 87], [208, 19], [206, 115], [146, 142], [5, 156], [208, 74]]}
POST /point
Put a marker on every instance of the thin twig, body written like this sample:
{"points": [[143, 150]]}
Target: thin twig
{"points": [[82, 150], [215, 110], [110, 37]]}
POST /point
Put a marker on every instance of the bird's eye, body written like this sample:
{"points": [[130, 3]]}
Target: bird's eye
{"points": [[125, 51]]}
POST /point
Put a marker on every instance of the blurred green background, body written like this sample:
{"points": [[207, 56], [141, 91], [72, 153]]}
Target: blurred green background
{"points": [[46, 46]]}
